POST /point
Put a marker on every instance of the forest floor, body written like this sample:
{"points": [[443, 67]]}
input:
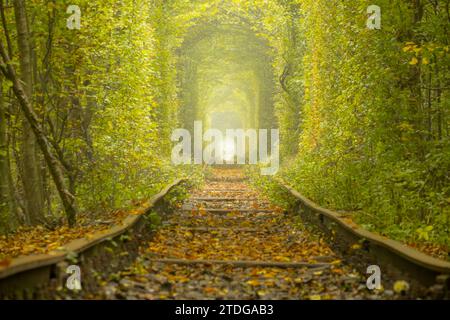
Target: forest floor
{"points": [[44, 239], [250, 248]]}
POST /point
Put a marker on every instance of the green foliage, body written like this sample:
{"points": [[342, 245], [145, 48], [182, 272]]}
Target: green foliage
{"points": [[373, 138], [154, 220], [363, 114], [108, 92], [279, 196], [424, 233]]}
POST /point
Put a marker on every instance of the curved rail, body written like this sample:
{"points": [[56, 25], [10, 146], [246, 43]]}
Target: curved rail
{"points": [[25, 274], [372, 248]]}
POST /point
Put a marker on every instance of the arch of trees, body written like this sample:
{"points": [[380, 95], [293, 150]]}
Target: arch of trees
{"points": [[363, 114], [225, 68]]}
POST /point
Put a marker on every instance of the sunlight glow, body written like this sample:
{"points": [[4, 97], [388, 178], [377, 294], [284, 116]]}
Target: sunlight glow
{"points": [[229, 149]]}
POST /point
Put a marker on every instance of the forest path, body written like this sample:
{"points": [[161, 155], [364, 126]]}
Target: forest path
{"points": [[228, 242]]}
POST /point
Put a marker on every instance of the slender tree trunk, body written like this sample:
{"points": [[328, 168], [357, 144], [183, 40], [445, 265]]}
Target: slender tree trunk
{"points": [[50, 159], [5, 213], [31, 173], [416, 94]]}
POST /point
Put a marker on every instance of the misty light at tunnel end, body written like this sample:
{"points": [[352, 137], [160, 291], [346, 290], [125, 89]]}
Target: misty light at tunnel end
{"points": [[230, 148]]}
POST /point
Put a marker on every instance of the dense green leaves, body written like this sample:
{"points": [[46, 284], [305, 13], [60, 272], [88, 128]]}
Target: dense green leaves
{"points": [[373, 133], [363, 114]]}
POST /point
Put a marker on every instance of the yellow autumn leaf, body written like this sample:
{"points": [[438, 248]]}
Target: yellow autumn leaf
{"points": [[414, 61], [261, 292], [298, 280], [253, 283], [210, 290], [401, 286]]}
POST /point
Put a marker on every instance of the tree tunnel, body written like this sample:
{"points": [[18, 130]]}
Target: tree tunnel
{"points": [[225, 78]]}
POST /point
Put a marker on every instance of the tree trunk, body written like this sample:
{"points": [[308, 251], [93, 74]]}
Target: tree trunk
{"points": [[5, 213], [31, 174], [50, 159]]}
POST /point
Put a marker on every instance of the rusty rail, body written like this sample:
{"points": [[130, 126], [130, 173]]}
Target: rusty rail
{"points": [[428, 275], [39, 275]]}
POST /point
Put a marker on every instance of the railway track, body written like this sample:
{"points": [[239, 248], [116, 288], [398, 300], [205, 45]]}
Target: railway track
{"points": [[229, 242]]}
